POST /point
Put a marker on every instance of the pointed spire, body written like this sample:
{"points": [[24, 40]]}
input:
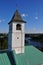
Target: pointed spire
{"points": [[17, 17]]}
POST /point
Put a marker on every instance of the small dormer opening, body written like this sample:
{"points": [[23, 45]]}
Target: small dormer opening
{"points": [[18, 27]]}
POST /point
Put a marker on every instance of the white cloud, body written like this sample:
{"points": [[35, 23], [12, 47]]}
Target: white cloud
{"points": [[36, 17], [2, 20], [24, 15]]}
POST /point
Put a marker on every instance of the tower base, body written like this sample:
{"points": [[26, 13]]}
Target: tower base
{"points": [[18, 50]]}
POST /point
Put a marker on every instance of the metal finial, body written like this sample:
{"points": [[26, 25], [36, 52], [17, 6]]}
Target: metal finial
{"points": [[16, 6]]}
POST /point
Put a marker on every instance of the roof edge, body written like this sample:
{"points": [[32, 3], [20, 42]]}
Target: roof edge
{"points": [[17, 21]]}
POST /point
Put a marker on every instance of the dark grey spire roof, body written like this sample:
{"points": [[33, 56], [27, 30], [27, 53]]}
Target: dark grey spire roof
{"points": [[17, 17]]}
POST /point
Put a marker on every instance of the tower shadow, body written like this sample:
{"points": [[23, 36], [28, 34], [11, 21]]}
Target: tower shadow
{"points": [[11, 58]]}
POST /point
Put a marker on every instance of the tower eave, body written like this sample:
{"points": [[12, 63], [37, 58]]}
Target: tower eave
{"points": [[21, 21]]}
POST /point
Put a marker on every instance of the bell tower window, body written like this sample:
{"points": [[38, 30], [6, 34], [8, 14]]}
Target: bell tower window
{"points": [[18, 27]]}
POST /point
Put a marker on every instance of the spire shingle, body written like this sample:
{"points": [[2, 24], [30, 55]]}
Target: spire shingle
{"points": [[17, 17]]}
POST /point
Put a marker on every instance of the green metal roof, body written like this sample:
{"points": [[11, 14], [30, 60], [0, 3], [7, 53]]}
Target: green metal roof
{"points": [[31, 56], [4, 60]]}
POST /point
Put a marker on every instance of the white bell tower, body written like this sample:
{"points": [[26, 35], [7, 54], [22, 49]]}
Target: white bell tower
{"points": [[16, 36]]}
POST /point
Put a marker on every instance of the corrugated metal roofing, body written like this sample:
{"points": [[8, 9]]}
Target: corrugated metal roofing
{"points": [[4, 60], [31, 56]]}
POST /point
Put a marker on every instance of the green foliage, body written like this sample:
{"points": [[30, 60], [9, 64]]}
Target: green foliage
{"points": [[3, 41], [38, 38]]}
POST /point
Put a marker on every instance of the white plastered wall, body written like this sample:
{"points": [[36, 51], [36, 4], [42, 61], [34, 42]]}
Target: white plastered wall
{"points": [[16, 38]]}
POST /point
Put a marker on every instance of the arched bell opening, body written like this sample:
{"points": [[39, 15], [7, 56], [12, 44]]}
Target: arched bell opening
{"points": [[18, 27]]}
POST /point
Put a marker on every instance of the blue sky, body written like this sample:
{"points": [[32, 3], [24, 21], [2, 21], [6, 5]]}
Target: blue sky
{"points": [[30, 10]]}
